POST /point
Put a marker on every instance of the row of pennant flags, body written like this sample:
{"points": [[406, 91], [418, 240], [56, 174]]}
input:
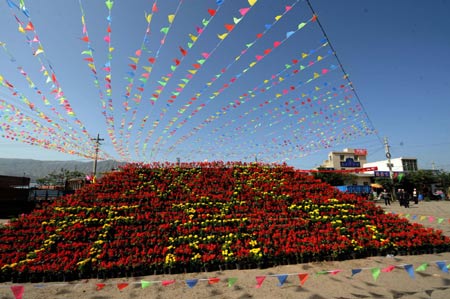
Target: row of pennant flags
{"points": [[431, 219], [444, 266]]}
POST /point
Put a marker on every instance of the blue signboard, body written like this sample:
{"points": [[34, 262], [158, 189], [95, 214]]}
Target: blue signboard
{"points": [[349, 162]]}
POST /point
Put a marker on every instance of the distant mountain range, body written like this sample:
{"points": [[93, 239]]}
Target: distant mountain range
{"points": [[35, 169]]}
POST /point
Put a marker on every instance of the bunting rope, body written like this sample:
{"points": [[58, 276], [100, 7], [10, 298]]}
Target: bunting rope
{"points": [[18, 290]]}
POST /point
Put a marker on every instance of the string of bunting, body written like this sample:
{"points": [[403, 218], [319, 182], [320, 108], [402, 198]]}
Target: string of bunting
{"points": [[19, 290], [415, 217]]}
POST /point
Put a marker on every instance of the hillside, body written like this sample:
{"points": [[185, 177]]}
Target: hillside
{"points": [[35, 169], [162, 218]]}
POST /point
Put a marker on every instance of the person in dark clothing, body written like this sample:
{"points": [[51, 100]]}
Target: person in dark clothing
{"points": [[404, 201]]}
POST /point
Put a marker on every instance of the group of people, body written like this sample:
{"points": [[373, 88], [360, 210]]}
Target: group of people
{"points": [[402, 196]]}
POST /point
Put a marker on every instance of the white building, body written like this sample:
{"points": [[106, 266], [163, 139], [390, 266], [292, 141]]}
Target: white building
{"points": [[399, 165]]}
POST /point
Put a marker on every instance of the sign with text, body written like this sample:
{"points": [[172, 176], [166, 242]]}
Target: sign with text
{"points": [[349, 162]]}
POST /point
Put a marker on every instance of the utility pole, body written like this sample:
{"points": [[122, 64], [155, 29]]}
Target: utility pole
{"points": [[389, 165], [97, 145]]}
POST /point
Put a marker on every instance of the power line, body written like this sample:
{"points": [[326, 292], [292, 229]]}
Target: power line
{"points": [[342, 68]]}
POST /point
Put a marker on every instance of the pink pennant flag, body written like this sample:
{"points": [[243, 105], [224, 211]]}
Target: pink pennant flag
{"points": [[334, 272], [107, 39], [205, 55], [303, 277], [168, 282], [388, 269], [431, 218], [276, 44], [18, 291], [259, 281], [243, 11], [259, 57], [288, 8]]}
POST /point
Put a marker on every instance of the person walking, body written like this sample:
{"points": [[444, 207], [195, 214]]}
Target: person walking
{"points": [[387, 198]]}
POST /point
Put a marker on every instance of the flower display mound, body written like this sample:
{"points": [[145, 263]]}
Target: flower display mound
{"points": [[169, 218]]}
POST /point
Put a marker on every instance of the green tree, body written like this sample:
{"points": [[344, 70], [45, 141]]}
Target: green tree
{"points": [[335, 178], [59, 178]]}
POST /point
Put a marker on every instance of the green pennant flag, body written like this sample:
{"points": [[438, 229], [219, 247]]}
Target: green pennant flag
{"points": [[173, 68], [165, 30], [145, 284], [190, 45], [301, 25], [205, 22], [321, 273], [440, 220], [231, 281], [201, 61], [109, 4], [422, 267], [375, 273]]}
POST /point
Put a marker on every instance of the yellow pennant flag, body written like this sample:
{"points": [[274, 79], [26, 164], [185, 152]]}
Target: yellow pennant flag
{"points": [[193, 37], [222, 36], [148, 17], [252, 2], [170, 18], [319, 58], [316, 75], [304, 55], [277, 18]]}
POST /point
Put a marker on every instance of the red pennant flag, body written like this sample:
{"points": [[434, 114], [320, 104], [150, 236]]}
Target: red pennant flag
{"points": [[100, 286], [276, 44], [213, 280], [229, 27], [303, 277], [314, 18], [196, 66], [18, 291], [177, 62], [152, 60], [212, 12], [29, 27], [183, 51], [267, 51], [85, 38], [259, 35], [154, 7], [260, 280], [122, 286], [168, 282]]}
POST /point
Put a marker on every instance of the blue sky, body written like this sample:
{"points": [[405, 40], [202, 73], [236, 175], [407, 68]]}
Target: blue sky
{"points": [[269, 90]]}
